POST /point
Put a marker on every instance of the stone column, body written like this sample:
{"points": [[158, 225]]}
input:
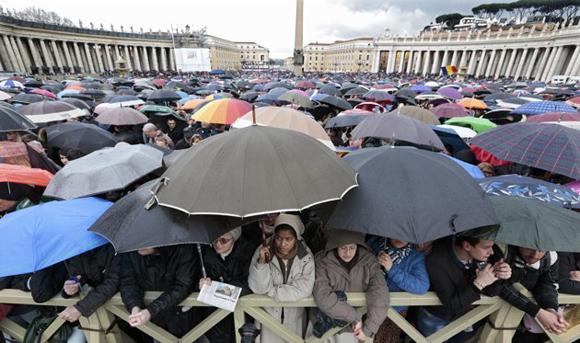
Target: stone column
{"points": [[163, 59], [542, 65], [481, 63], [79, 57], [155, 59], [35, 54], [391, 61], [418, 64], [128, 59], [445, 58], [427, 65], [500, 64], [410, 63], [436, 68], [67, 56], [555, 66], [172, 63], [573, 60], [89, 58], [454, 57], [531, 64], [401, 61], [146, 64], [511, 63], [137, 59], [26, 58], [463, 59], [57, 58], [472, 60], [521, 64], [109, 59], [47, 57], [548, 64], [10, 62], [99, 58], [18, 53], [490, 63]]}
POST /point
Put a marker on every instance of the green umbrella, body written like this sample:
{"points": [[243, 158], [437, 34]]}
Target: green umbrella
{"points": [[151, 109], [533, 224], [478, 125]]}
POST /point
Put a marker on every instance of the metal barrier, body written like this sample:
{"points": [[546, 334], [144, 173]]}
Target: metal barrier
{"points": [[503, 318]]}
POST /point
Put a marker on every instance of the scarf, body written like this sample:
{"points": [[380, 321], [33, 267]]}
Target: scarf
{"points": [[396, 255], [347, 265]]}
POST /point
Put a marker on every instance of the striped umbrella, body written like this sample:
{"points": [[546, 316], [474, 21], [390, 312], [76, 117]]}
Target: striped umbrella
{"points": [[11, 84], [554, 116], [223, 111], [545, 146], [449, 110], [192, 104], [539, 107]]}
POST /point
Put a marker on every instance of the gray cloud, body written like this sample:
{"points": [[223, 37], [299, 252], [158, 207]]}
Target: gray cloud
{"points": [[432, 7]]}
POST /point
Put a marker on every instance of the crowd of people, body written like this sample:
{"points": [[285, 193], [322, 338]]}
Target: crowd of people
{"points": [[290, 256]]}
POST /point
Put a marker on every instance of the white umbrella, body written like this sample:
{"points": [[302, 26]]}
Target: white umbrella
{"points": [[462, 132]]}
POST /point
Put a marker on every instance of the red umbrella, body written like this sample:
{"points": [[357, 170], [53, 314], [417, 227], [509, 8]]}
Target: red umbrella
{"points": [[159, 83], [24, 175], [554, 117], [305, 85], [43, 92], [449, 110]]}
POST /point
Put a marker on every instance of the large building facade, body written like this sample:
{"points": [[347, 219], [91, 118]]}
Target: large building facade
{"points": [[354, 55], [30, 47], [253, 55]]}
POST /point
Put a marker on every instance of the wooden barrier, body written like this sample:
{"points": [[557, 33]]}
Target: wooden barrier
{"points": [[503, 318]]}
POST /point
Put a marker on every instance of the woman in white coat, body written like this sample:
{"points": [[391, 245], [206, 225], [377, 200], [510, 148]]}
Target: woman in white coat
{"points": [[283, 269]]}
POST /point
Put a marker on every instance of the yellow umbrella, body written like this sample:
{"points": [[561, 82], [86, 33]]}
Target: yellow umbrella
{"points": [[472, 103]]}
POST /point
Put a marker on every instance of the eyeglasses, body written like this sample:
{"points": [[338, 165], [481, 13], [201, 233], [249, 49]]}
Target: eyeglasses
{"points": [[222, 241]]}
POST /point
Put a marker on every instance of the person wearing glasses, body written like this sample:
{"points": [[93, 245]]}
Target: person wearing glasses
{"points": [[283, 269], [227, 260]]}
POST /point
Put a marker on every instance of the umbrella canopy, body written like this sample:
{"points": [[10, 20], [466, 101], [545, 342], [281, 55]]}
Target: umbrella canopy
{"points": [[329, 90], [4, 96], [11, 120], [418, 113], [527, 187], [554, 116], [43, 92], [420, 88], [472, 103], [357, 91], [286, 118], [450, 110], [463, 132], [450, 93], [451, 139], [38, 237], [297, 99], [104, 171], [532, 224], [156, 109], [223, 111], [24, 98], [550, 147], [478, 125], [539, 107], [11, 84], [126, 100], [10, 173], [252, 171], [78, 103], [378, 95], [84, 137], [193, 104], [346, 120], [47, 111], [398, 128], [129, 226], [305, 85], [335, 102], [121, 116], [399, 196], [162, 95]]}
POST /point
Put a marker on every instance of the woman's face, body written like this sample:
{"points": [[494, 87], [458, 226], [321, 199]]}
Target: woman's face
{"points": [[224, 243], [397, 243], [285, 241], [63, 159], [347, 252]]}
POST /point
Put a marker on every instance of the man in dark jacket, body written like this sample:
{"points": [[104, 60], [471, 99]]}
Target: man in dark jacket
{"points": [[228, 261], [100, 270], [569, 272], [537, 271], [461, 269], [171, 270]]}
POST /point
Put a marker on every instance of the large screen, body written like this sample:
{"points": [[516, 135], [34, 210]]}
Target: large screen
{"points": [[192, 60]]}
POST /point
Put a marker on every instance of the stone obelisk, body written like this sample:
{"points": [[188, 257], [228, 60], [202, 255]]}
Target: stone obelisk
{"points": [[298, 44]]}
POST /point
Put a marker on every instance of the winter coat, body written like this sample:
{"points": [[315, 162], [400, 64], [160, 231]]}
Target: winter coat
{"points": [[235, 269], [43, 285], [365, 276], [173, 270], [540, 278], [567, 263], [99, 269], [268, 279]]}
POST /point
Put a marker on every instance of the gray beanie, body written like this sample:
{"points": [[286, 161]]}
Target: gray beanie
{"points": [[236, 233]]}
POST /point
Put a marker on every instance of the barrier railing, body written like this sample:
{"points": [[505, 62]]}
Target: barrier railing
{"points": [[99, 328]]}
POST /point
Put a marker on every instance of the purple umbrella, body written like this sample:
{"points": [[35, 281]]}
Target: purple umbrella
{"points": [[450, 92], [421, 88], [449, 110], [550, 147]]}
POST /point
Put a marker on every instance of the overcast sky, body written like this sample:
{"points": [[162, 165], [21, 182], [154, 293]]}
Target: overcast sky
{"points": [[267, 22]]}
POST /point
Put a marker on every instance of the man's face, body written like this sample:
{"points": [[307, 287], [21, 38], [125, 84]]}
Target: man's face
{"points": [[171, 124], [481, 251], [531, 256], [285, 241]]}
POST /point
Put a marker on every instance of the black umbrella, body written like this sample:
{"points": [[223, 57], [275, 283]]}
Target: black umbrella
{"points": [[126, 91], [78, 103], [84, 137], [47, 111], [129, 226], [502, 116], [25, 99], [33, 83], [357, 91], [84, 97], [335, 102], [249, 96], [399, 196], [10, 120], [330, 90], [162, 95]]}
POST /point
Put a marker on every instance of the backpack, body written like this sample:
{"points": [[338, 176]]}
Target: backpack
{"points": [[40, 323]]}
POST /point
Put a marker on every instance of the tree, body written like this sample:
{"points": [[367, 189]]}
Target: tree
{"points": [[450, 20], [41, 16]]}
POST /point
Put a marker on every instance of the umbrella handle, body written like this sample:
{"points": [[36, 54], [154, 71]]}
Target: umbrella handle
{"points": [[203, 271]]}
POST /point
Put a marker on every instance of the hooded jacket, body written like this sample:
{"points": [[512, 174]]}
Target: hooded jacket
{"points": [[568, 262], [364, 276], [268, 279]]}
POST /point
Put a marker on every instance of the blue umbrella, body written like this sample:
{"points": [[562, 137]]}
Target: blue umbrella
{"points": [[474, 171], [527, 187], [40, 236], [182, 94], [539, 107], [421, 88]]}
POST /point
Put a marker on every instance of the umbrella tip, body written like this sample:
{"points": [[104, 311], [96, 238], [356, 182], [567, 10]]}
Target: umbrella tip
{"points": [[254, 115]]}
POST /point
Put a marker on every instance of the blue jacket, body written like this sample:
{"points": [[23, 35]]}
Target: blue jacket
{"points": [[408, 276]]}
